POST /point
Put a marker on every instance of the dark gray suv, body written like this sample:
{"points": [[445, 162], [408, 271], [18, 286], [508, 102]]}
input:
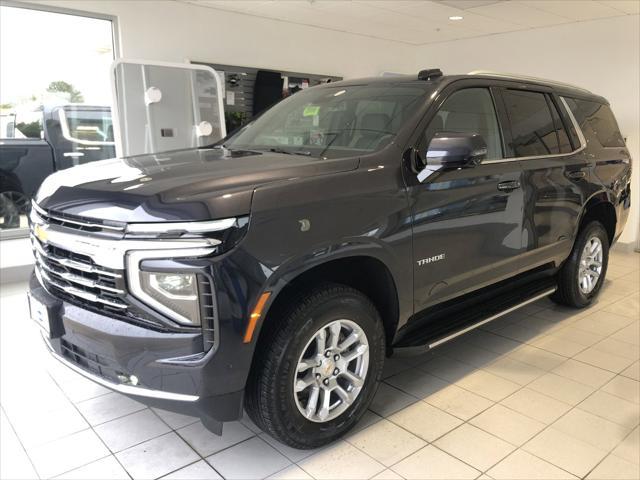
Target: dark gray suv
{"points": [[275, 270]]}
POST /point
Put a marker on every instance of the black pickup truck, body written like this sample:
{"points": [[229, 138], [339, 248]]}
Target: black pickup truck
{"points": [[65, 135], [275, 270]]}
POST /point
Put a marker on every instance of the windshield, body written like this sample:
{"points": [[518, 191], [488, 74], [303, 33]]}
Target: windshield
{"points": [[83, 125], [332, 122]]}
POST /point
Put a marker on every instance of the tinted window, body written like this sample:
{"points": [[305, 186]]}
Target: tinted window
{"points": [[563, 138], [332, 121], [597, 122], [532, 126], [22, 125], [469, 111]]}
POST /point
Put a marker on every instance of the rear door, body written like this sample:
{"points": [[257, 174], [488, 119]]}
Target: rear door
{"points": [[555, 173], [466, 225]]}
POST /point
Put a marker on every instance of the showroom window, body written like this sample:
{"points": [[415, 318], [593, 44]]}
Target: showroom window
{"points": [[532, 128], [55, 99]]}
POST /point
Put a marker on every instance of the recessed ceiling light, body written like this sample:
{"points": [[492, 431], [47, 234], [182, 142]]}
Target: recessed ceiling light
{"points": [[455, 17]]}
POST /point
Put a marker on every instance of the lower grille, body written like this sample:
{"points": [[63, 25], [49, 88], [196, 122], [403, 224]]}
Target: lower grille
{"points": [[76, 276], [90, 361]]}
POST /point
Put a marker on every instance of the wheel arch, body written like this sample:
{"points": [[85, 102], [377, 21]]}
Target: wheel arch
{"points": [[599, 207], [365, 273]]}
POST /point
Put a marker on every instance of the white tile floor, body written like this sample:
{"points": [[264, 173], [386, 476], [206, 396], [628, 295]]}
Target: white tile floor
{"points": [[545, 393]]}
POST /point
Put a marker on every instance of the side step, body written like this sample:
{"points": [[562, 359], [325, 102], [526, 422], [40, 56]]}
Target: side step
{"points": [[491, 318], [445, 322]]}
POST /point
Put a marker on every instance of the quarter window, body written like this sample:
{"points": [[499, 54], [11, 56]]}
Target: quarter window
{"points": [[597, 122], [532, 128], [469, 111]]}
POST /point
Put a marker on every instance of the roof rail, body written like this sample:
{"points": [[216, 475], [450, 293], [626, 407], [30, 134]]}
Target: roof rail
{"points": [[526, 78]]}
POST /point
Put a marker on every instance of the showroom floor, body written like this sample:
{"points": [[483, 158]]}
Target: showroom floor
{"points": [[543, 393]]}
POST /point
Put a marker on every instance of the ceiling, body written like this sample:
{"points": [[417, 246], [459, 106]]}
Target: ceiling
{"points": [[420, 22]]}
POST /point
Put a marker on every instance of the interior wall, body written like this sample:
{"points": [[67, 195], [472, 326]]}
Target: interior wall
{"points": [[601, 55], [173, 31]]}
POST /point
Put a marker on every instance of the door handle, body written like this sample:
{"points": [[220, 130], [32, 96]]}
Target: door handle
{"points": [[508, 186], [577, 174]]}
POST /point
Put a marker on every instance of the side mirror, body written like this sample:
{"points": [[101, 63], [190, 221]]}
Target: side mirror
{"points": [[455, 150]]}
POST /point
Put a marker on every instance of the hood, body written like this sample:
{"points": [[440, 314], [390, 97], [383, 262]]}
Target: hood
{"points": [[186, 185]]}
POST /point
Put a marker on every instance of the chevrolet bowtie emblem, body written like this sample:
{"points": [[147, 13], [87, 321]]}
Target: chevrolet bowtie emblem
{"points": [[41, 233]]}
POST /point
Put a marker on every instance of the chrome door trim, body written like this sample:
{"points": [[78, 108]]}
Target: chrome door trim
{"points": [[576, 126]]}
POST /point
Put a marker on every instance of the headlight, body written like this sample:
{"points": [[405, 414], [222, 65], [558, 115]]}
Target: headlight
{"points": [[177, 292], [172, 293]]}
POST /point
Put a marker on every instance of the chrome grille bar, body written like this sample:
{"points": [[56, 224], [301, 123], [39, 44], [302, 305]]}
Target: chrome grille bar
{"points": [[76, 292], [66, 262], [44, 215], [70, 277]]}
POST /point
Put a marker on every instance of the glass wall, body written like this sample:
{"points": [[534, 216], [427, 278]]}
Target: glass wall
{"points": [[55, 99]]}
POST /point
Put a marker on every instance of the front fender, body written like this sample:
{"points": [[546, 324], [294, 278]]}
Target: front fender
{"points": [[298, 225]]}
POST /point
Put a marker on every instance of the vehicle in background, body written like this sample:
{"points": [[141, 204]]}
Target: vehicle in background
{"points": [[35, 145]]}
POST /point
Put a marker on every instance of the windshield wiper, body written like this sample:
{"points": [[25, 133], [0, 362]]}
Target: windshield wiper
{"points": [[289, 152]]}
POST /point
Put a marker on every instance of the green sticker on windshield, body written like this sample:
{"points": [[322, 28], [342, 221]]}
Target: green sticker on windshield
{"points": [[311, 111]]}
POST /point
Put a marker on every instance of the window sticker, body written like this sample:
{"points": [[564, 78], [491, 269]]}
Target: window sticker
{"points": [[311, 111]]}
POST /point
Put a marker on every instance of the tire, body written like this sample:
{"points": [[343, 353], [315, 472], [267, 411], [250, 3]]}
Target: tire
{"points": [[570, 290], [270, 399], [13, 205]]}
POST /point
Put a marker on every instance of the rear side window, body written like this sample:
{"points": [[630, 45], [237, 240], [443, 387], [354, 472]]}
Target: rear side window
{"points": [[597, 122], [532, 128]]}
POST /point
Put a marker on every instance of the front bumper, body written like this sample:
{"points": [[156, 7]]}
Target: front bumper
{"points": [[111, 352]]}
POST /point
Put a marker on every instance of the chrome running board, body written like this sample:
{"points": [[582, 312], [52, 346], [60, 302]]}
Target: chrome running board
{"points": [[440, 341]]}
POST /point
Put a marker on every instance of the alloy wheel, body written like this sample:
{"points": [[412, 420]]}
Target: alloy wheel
{"points": [[331, 371]]}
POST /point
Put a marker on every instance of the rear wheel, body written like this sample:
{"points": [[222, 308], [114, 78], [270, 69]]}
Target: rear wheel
{"points": [[581, 277], [13, 206], [317, 370]]}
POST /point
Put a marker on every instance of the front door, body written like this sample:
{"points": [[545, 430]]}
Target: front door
{"points": [[467, 222]]}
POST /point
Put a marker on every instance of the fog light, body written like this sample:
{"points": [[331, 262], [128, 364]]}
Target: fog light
{"points": [[128, 379]]}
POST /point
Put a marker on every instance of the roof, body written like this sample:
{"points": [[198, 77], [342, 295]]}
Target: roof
{"points": [[559, 87]]}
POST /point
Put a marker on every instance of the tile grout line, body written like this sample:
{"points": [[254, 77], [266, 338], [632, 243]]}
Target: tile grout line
{"points": [[610, 453], [90, 428], [175, 430], [499, 402], [20, 441]]}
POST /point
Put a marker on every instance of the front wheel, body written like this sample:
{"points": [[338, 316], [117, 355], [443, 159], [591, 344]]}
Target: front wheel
{"points": [[582, 275], [316, 371]]}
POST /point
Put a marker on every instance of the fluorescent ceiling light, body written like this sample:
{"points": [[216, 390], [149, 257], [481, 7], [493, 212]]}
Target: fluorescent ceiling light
{"points": [[455, 17]]}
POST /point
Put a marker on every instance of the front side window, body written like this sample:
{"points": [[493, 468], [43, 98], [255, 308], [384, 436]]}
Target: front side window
{"points": [[469, 111], [332, 122], [532, 129]]}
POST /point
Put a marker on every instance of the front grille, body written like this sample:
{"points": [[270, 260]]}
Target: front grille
{"points": [[76, 276], [85, 281]]}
